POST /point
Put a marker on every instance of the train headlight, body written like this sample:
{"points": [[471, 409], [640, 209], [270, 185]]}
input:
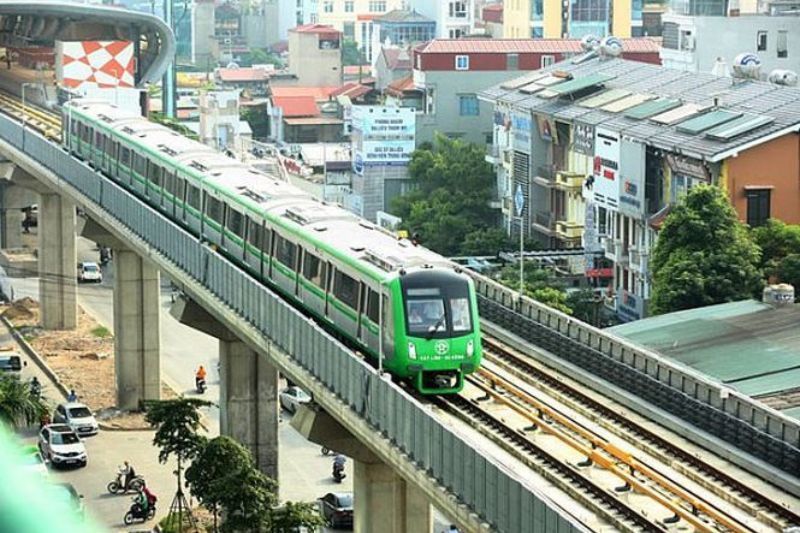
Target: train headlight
{"points": [[412, 350], [470, 349]]}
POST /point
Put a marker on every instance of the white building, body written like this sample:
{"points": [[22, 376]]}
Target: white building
{"points": [[694, 43], [454, 18], [220, 125]]}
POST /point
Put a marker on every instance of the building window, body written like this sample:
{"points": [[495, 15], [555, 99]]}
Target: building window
{"points": [[783, 45], [590, 10], [547, 61], [468, 105], [430, 103], [377, 6], [327, 7], [761, 41], [512, 62], [348, 6], [462, 62], [458, 10], [757, 207]]}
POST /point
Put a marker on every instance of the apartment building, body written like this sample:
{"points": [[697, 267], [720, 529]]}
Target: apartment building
{"points": [[603, 147], [454, 18], [450, 73], [554, 19], [315, 56], [354, 18]]}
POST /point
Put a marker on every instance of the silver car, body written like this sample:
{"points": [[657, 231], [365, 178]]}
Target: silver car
{"points": [[62, 446], [292, 397], [78, 417]]}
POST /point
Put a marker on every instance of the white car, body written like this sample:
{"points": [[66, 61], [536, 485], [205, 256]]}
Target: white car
{"points": [[62, 446], [11, 364], [89, 271], [291, 397], [77, 416]]}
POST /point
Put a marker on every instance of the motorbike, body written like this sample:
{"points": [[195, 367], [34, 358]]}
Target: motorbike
{"points": [[118, 485], [338, 471], [326, 451], [136, 512], [200, 383]]}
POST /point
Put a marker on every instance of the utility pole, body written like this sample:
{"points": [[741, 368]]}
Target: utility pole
{"points": [[168, 82]]}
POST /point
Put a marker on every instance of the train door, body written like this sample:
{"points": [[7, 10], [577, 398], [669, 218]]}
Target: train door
{"points": [[370, 322]]}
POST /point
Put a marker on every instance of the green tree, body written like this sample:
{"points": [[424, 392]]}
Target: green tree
{"points": [[788, 270], [351, 55], [260, 56], [703, 255], [18, 404], [295, 515], [450, 204], [776, 240], [247, 502], [256, 117], [586, 305], [539, 284]]}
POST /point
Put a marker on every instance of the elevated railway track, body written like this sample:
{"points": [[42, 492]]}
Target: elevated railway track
{"points": [[575, 441]]}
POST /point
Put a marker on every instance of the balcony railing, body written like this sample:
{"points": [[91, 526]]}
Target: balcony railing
{"points": [[544, 220], [570, 181], [638, 259], [492, 154], [546, 172], [568, 229]]}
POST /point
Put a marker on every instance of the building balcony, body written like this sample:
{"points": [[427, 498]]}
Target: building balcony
{"points": [[569, 181], [616, 252], [493, 156], [638, 259], [544, 222], [545, 174], [568, 230]]}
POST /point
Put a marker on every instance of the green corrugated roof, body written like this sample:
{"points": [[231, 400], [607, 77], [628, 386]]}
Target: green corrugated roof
{"points": [[649, 109], [749, 345], [695, 125], [793, 412], [736, 127], [576, 84], [605, 97]]}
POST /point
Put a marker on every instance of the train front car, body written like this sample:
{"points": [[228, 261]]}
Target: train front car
{"points": [[438, 330]]}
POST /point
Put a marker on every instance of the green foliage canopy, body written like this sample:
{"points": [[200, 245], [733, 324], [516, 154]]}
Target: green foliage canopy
{"points": [[177, 423], [703, 255], [18, 404], [449, 206], [351, 55]]}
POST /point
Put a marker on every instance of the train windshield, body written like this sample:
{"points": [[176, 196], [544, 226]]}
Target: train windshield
{"points": [[437, 305]]}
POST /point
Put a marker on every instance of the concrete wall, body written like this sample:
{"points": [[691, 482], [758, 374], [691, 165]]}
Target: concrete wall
{"points": [[312, 66], [727, 37], [203, 30], [446, 118], [773, 164]]}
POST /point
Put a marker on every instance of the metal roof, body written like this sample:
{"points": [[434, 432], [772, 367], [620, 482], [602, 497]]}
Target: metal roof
{"points": [[750, 346], [779, 105], [534, 46]]}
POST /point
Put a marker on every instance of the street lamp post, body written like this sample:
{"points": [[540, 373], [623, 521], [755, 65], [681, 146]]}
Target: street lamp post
{"points": [[25, 110], [519, 205]]}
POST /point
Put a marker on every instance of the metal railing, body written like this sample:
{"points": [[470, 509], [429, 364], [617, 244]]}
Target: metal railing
{"points": [[490, 490], [725, 413]]}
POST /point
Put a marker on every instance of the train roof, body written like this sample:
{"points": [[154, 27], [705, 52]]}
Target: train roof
{"points": [[344, 233]]}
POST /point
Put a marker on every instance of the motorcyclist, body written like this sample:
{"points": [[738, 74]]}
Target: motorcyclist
{"points": [[338, 466], [151, 498], [200, 375], [142, 501], [128, 474]]}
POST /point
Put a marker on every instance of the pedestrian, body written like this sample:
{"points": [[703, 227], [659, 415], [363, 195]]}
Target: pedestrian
{"points": [[72, 396], [453, 529]]}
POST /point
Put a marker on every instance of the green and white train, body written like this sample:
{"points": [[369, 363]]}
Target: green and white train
{"points": [[352, 276]]}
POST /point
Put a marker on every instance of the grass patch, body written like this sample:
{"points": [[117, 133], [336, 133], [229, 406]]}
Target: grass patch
{"points": [[101, 332]]}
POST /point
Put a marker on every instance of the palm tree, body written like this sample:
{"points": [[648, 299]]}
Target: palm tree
{"points": [[19, 405]]}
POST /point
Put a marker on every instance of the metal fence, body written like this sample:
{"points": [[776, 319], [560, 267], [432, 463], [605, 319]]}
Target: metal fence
{"points": [[723, 412], [491, 491]]}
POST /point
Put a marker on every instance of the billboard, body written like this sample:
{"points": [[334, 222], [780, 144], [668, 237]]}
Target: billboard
{"points": [[631, 178], [606, 168], [103, 64], [382, 135]]}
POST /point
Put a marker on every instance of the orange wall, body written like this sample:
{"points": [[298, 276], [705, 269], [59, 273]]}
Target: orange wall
{"points": [[776, 164]]}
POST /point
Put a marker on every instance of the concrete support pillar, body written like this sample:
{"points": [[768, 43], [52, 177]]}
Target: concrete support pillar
{"points": [[58, 292], [383, 501], [137, 342], [248, 402]]}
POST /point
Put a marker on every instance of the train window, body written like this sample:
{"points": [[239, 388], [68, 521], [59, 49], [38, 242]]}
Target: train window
{"points": [[74, 127], [98, 140], [139, 164], [372, 305], [193, 197], [214, 209], [314, 269], [111, 148], [236, 222], [180, 187], [254, 233], [285, 251], [125, 157], [87, 133], [266, 242], [345, 289], [459, 310], [153, 172]]}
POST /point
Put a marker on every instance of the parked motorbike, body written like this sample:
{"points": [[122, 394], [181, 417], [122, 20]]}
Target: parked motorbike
{"points": [[118, 485], [136, 512]]}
